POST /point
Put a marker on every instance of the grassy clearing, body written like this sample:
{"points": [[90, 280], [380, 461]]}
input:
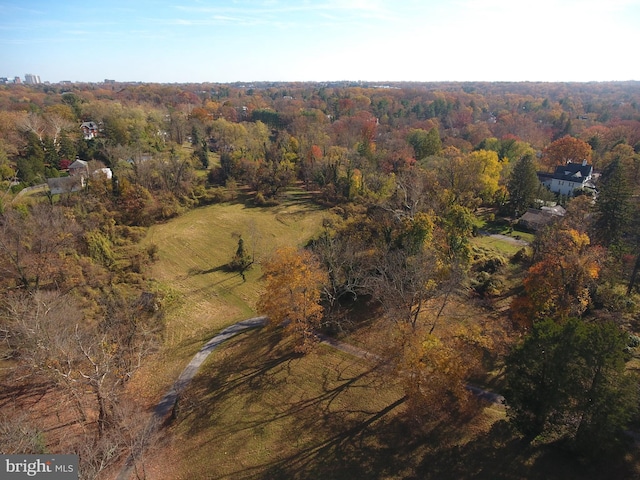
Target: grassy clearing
{"points": [[193, 250], [499, 245], [256, 411]]}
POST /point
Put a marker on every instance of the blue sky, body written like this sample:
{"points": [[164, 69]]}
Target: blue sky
{"points": [[286, 40]]}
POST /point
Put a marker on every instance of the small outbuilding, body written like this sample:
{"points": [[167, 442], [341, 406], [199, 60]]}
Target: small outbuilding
{"points": [[534, 219], [79, 168]]}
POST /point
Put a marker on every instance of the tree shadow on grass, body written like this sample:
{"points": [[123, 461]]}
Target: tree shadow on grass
{"points": [[200, 271], [317, 431], [500, 453], [388, 449], [333, 437], [352, 452]]}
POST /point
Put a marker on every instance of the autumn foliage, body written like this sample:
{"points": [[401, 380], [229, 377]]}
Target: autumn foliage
{"points": [[292, 294], [434, 373], [559, 285], [564, 150]]}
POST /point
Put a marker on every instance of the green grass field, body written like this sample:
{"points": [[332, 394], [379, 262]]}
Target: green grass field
{"points": [[201, 297], [257, 411]]}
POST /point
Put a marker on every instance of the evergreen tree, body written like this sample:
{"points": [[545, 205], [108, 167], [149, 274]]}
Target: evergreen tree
{"points": [[31, 164], [523, 185], [51, 158], [568, 381], [67, 150], [613, 206], [203, 153], [241, 260]]}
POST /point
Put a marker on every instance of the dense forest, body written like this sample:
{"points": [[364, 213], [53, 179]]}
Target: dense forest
{"points": [[412, 173]]}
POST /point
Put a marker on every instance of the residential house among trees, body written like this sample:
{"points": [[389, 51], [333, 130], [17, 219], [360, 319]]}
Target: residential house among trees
{"points": [[567, 178], [535, 219], [89, 130]]}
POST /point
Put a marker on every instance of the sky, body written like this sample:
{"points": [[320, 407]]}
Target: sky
{"points": [[180, 41]]}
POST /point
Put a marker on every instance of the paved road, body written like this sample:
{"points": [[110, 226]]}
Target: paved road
{"points": [[168, 402], [505, 238]]}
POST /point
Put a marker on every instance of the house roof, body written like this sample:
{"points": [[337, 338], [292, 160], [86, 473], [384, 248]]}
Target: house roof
{"points": [[79, 164], [535, 219], [573, 172], [555, 210], [89, 125]]}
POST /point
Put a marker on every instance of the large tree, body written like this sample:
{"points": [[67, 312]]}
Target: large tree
{"points": [[425, 143], [564, 150], [292, 294], [560, 282], [523, 185], [568, 381], [613, 206]]}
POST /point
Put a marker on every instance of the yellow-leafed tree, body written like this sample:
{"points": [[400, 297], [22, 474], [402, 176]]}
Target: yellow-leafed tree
{"points": [[292, 294]]}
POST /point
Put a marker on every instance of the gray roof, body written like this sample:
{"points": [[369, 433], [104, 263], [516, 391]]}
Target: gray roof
{"points": [[535, 219], [79, 164], [573, 172], [65, 184]]}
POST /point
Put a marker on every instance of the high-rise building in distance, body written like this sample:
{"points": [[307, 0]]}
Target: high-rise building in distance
{"points": [[31, 79]]}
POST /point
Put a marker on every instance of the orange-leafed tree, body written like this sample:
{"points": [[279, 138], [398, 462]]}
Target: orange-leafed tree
{"points": [[564, 150], [294, 281], [560, 283]]}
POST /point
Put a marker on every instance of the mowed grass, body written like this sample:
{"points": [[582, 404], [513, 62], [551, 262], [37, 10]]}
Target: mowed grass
{"points": [[200, 295], [259, 411], [500, 245]]}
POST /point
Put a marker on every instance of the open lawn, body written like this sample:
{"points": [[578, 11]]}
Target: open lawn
{"points": [[201, 296], [257, 411], [501, 245]]}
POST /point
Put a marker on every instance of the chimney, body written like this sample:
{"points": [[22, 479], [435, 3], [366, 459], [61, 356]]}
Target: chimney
{"points": [[584, 162]]}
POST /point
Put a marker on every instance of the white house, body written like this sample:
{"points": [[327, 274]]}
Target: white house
{"points": [[104, 173], [569, 177]]}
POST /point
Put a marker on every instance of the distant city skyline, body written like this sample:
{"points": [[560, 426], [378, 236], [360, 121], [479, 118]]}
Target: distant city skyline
{"points": [[328, 40]]}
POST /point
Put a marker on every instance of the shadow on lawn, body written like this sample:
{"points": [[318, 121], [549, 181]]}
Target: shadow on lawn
{"points": [[502, 454], [324, 436], [388, 450], [201, 271]]}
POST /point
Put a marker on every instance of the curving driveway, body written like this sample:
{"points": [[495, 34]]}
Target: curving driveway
{"points": [[168, 402]]}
